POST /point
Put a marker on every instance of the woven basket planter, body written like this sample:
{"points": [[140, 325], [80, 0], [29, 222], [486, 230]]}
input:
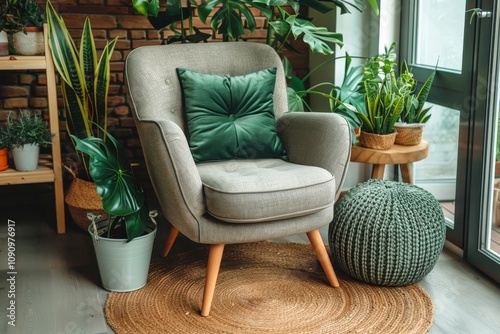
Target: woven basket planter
{"points": [[376, 141], [409, 134], [82, 198], [387, 233]]}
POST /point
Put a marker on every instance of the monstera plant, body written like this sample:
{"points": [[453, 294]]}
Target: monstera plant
{"points": [[233, 19], [122, 195]]}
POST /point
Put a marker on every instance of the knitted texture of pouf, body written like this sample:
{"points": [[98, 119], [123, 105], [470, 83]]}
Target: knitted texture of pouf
{"points": [[387, 233]]}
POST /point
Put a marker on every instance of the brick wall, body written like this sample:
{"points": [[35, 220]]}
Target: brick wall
{"points": [[109, 18]]}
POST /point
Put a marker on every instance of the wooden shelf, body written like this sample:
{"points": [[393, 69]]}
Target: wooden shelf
{"points": [[49, 167], [43, 173], [16, 63]]}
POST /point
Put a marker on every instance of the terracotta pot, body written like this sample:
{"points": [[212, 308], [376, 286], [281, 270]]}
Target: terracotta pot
{"points": [[376, 141], [82, 198], [409, 134], [29, 44], [4, 159]]}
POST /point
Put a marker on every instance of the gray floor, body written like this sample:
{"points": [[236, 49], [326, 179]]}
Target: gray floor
{"points": [[57, 284]]}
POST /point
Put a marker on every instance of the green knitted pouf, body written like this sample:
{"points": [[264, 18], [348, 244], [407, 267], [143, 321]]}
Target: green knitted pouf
{"points": [[387, 233]]}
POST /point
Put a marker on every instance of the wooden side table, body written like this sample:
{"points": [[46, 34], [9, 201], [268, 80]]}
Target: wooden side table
{"points": [[396, 155]]}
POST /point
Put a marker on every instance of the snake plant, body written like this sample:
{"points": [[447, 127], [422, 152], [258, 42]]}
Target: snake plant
{"points": [[385, 95], [84, 78], [414, 111]]}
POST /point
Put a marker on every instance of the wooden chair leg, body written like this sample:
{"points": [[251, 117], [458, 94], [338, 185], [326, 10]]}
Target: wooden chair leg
{"points": [[172, 235], [214, 260], [324, 259]]}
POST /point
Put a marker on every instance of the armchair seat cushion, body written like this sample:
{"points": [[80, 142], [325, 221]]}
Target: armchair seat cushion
{"points": [[250, 191]]}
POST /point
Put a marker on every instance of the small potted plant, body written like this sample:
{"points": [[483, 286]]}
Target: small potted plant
{"points": [[24, 134], [385, 96], [413, 116], [29, 40], [123, 242]]}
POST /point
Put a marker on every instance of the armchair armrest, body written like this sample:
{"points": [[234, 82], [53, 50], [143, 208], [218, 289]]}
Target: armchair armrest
{"points": [[318, 139], [173, 174]]}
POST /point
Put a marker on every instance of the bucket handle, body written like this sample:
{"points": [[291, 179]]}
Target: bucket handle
{"points": [[93, 218]]}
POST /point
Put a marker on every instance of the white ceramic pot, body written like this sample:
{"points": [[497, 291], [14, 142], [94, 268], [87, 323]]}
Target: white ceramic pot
{"points": [[29, 44], [4, 44], [26, 157]]}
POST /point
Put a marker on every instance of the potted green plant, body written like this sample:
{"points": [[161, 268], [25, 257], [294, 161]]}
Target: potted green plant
{"points": [[124, 241], [414, 115], [24, 20], [384, 97], [24, 134], [29, 40], [84, 84]]}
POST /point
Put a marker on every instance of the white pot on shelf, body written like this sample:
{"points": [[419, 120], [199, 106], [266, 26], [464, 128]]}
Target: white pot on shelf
{"points": [[30, 43], [26, 157]]}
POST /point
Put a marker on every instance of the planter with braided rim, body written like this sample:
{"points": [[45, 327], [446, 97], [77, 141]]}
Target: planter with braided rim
{"points": [[387, 233]]}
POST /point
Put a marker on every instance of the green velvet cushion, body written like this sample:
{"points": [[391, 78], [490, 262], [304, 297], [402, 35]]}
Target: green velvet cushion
{"points": [[230, 117]]}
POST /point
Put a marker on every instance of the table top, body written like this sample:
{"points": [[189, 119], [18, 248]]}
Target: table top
{"points": [[396, 155]]}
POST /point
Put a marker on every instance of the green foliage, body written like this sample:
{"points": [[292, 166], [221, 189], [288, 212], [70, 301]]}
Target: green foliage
{"points": [[31, 13], [84, 78], [345, 99], [413, 111], [233, 18], [122, 195], [385, 95], [25, 128], [16, 15], [10, 16]]}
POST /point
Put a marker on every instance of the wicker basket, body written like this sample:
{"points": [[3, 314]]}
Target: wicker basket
{"points": [[409, 135], [376, 141], [82, 198]]}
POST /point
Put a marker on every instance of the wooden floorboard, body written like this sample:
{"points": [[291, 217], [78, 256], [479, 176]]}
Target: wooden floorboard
{"points": [[59, 291]]}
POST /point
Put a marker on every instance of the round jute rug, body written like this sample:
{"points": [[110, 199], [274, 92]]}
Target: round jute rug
{"points": [[264, 287]]}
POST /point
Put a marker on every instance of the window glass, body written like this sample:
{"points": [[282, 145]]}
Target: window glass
{"points": [[440, 27]]}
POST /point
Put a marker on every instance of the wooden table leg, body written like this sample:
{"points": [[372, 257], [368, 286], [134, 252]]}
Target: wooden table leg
{"points": [[406, 173], [378, 171]]}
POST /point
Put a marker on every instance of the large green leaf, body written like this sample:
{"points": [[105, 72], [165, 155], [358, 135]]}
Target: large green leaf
{"points": [[295, 102], [227, 19], [101, 87], [316, 37], [146, 7], [122, 195]]}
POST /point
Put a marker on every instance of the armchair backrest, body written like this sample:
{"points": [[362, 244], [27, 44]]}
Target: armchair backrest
{"points": [[152, 78]]}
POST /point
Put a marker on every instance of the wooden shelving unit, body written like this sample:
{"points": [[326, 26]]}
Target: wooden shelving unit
{"points": [[49, 167]]}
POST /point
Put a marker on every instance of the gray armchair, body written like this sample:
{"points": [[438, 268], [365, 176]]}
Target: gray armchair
{"points": [[235, 201]]}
